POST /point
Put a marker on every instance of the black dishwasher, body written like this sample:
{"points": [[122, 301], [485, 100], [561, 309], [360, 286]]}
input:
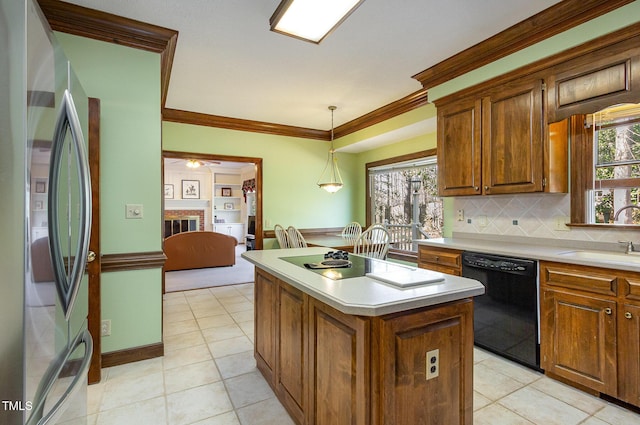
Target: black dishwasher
{"points": [[506, 316]]}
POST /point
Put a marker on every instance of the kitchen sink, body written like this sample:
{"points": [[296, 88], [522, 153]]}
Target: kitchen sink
{"points": [[603, 256]]}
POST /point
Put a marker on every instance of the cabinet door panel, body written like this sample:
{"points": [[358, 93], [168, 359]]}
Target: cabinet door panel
{"points": [[339, 367], [290, 381], [460, 149], [265, 332], [512, 139], [579, 342], [629, 354]]}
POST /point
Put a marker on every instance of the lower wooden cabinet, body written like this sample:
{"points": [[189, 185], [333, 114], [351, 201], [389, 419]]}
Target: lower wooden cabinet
{"points": [[331, 368], [441, 260], [590, 328]]}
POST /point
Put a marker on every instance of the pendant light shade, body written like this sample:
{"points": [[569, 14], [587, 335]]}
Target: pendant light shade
{"points": [[330, 179]]}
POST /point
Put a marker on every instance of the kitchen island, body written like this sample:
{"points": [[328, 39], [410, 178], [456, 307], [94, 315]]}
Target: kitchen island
{"points": [[357, 350]]}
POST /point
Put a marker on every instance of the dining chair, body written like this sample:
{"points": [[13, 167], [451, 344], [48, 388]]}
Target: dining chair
{"points": [[281, 236], [352, 231], [296, 240], [373, 242]]}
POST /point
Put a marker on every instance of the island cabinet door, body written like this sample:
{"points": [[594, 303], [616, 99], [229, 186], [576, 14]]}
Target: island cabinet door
{"points": [[291, 353], [338, 367], [423, 366], [629, 354], [265, 323]]}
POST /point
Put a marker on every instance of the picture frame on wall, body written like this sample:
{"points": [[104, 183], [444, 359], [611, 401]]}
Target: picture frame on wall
{"points": [[168, 191], [228, 205], [190, 189], [226, 191]]}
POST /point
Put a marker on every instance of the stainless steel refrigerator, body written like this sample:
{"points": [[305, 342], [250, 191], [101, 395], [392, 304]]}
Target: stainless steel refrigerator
{"points": [[45, 205]]}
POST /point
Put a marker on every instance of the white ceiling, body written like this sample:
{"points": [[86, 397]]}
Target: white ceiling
{"points": [[228, 63]]}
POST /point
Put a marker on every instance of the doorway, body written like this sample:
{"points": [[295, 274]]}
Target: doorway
{"points": [[201, 200]]}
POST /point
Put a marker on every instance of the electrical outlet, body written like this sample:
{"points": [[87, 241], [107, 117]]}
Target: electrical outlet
{"points": [[105, 328], [560, 223], [460, 215], [433, 364], [482, 221]]}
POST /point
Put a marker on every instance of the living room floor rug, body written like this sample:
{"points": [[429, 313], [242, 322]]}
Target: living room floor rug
{"points": [[184, 280]]}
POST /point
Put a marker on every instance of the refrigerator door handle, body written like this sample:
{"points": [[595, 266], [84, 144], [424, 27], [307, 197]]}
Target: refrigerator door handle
{"points": [[68, 278], [37, 417]]}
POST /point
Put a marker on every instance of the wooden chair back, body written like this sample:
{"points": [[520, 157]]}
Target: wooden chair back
{"points": [[281, 236], [373, 242], [296, 240]]}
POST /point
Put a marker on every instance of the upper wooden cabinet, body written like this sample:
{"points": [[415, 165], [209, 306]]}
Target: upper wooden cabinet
{"points": [[593, 82], [497, 143]]}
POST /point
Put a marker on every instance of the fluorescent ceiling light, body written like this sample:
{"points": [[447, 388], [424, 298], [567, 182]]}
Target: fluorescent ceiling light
{"points": [[311, 20]]}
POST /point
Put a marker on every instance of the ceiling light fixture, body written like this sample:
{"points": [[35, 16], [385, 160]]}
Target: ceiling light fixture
{"points": [[311, 20], [192, 163], [330, 179]]}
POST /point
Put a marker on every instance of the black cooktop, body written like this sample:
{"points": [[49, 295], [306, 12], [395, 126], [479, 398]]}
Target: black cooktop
{"points": [[359, 266]]}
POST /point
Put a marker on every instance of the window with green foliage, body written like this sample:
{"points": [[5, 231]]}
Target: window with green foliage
{"points": [[616, 180], [404, 197]]}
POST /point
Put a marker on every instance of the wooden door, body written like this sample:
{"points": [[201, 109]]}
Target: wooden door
{"points": [[459, 148], [426, 366], [579, 339], [291, 371], [513, 139], [265, 323], [338, 367], [629, 353]]}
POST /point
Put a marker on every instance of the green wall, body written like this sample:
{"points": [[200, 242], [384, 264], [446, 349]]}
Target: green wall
{"points": [[290, 169], [127, 82]]}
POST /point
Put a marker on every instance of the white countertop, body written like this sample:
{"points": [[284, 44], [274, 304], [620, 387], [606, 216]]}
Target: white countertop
{"points": [[361, 296], [548, 250]]}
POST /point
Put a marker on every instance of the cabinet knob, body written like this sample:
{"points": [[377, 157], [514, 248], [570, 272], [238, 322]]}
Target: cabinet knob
{"points": [[486, 188], [608, 311], [628, 315], [437, 259], [476, 188]]}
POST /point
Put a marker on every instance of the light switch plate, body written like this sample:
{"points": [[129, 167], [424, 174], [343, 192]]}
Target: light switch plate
{"points": [[134, 211]]}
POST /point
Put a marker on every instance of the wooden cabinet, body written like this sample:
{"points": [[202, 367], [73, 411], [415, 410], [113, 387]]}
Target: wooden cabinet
{"points": [[440, 259], [593, 82], [328, 367], [590, 328], [339, 367], [265, 323], [497, 143], [410, 345]]}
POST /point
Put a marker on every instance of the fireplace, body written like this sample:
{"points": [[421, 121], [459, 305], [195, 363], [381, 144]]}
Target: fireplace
{"points": [[178, 221]]}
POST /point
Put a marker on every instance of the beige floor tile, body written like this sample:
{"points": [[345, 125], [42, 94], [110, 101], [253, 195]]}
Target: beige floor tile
{"points": [[247, 327], [190, 376], [243, 316], [268, 412], [571, 396], [480, 401], [480, 355], [184, 340], [151, 411], [230, 346], [173, 308], [185, 356], [215, 321], [495, 414], [229, 418], [196, 404], [130, 390], [208, 310], [180, 327], [236, 364], [248, 389], [94, 396], [616, 415], [541, 408], [512, 370], [209, 304], [492, 384], [238, 307], [132, 370], [234, 298], [222, 332], [177, 316], [595, 421]]}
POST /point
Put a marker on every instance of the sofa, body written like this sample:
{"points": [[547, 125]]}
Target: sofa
{"points": [[196, 250]]}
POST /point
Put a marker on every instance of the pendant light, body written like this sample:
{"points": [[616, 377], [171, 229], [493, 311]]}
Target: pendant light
{"points": [[330, 179]]}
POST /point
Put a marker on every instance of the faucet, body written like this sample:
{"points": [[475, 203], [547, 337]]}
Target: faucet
{"points": [[630, 248], [626, 207]]}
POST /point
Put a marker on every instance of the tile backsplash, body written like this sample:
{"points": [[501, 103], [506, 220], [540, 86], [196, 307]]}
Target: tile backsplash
{"points": [[528, 215]]}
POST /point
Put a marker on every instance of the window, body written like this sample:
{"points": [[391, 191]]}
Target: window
{"points": [[613, 197], [403, 195]]}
